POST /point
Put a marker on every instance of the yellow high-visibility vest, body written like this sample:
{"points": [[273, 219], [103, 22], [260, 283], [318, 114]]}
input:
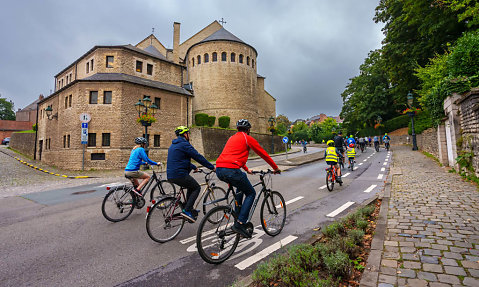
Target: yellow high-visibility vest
{"points": [[331, 154], [351, 152]]}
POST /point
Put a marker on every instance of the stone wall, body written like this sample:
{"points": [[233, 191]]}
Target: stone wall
{"points": [[469, 107], [210, 142], [427, 141], [23, 142]]}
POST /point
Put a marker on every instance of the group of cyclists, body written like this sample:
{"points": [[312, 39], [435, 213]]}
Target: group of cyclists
{"points": [[334, 153], [228, 169]]}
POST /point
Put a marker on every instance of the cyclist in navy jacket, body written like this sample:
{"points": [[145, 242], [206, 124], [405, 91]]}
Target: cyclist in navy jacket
{"points": [[179, 166]]}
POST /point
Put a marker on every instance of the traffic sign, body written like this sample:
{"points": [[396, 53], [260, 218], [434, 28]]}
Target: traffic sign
{"points": [[285, 139], [85, 118], [84, 125], [84, 134]]}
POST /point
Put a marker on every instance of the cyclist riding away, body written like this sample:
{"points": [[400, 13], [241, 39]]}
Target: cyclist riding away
{"points": [[232, 158], [376, 142], [332, 155], [178, 169], [386, 140], [137, 158], [339, 143], [351, 152], [362, 143]]}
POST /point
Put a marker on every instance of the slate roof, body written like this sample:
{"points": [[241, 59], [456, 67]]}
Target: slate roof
{"points": [[150, 50], [117, 77], [222, 35]]}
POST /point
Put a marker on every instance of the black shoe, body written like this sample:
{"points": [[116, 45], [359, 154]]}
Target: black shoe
{"points": [[241, 229]]}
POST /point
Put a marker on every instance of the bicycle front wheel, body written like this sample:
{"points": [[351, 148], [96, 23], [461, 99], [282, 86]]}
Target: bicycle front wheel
{"points": [[215, 240], [164, 222], [329, 180], [211, 195], [163, 188], [273, 213], [118, 204]]}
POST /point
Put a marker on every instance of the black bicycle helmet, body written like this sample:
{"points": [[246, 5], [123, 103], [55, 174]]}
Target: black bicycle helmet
{"points": [[243, 124], [140, 140]]}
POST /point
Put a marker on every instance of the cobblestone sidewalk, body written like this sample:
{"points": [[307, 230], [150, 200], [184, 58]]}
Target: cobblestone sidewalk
{"points": [[431, 235]]}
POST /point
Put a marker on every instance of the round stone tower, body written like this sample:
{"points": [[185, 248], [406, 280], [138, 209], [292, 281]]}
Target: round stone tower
{"points": [[222, 70]]}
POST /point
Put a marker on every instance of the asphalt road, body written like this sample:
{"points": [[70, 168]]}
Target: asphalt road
{"points": [[49, 242]]}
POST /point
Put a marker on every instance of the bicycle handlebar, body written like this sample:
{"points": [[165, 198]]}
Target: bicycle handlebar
{"points": [[262, 172]]}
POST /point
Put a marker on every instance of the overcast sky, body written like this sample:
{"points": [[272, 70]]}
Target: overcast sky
{"points": [[307, 50]]}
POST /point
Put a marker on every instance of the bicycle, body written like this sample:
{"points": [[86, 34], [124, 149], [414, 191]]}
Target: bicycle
{"points": [[331, 177], [216, 241], [386, 144], [163, 219], [351, 163], [376, 146], [120, 201]]}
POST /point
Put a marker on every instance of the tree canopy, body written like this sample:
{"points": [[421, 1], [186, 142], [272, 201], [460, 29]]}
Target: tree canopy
{"points": [[6, 110]]}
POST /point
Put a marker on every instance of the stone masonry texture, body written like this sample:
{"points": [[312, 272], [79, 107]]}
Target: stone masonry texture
{"points": [[433, 217]]}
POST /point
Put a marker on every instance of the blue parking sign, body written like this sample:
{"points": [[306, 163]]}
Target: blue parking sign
{"points": [[84, 125]]}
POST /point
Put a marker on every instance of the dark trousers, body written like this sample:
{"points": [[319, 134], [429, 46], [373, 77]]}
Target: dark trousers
{"points": [[192, 187], [238, 179]]}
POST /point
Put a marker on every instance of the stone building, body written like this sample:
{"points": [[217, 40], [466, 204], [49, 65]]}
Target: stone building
{"points": [[212, 72]]}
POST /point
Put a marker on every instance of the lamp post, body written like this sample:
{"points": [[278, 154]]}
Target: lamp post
{"points": [[49, 111], [410, 100], [289, 138], [145, 108], [271, 122]]}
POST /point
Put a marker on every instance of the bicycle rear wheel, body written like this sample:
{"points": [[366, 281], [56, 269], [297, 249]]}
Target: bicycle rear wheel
{"points": [[118, 204], [211, 195], [215, 240], [351, 163], [273, 213], [163, 188], [329, 180], [164, 222]]}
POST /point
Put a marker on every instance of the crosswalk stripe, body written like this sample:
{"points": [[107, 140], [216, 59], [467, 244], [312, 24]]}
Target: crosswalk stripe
{"points": [[370, 188], [265, 252], [340, 209]]}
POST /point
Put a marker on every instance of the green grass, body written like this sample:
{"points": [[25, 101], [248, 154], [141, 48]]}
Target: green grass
{"points": [[26, 132], [429, 155]]}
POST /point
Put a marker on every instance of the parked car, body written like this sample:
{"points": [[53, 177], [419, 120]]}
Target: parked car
{"points": [[6, 141]]}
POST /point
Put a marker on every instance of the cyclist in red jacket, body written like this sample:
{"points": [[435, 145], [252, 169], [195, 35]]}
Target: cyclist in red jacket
{"points": [[232, 158]]}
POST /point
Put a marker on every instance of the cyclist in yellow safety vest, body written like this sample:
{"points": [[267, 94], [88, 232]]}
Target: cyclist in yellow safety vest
{"points": [[332, 155], [351, 152]]}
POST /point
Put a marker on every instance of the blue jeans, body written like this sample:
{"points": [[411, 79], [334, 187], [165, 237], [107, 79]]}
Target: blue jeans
{"points": [[238, 179]]}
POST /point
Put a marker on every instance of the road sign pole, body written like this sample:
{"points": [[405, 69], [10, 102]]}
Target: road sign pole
{"points": [[286, 147], [83, 159]]}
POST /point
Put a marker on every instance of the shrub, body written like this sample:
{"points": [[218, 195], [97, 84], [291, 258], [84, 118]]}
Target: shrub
{"points": [[356, 236], [396, 123], [34, 127], [305, 256], [201, 119], [333, 229], [422, 121], [224, 122], [362, 224], [337, 263], [211, 121], [367, 210]]}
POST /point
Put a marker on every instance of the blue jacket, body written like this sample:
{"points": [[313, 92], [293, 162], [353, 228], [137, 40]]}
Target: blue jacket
{"points": [[137, 157], [180, 154]]}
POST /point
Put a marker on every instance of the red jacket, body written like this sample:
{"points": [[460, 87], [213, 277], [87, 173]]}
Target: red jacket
{"points": [[236, 151]]}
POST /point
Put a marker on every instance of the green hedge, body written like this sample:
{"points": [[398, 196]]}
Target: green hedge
{"points": [[201, 119], [224, 122], [396, 123], [422, 121], [211, 121]]}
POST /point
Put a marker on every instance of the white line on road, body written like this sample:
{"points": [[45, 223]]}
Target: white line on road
{"points": [[380, 176], [322, 187], [383, 169], [386, 159], [193, 238], [355, 168], [361, 164], [340, 209], [346, 174], [370, 188], [265, 252], [385, 163], [291, 201], [365, 160]]}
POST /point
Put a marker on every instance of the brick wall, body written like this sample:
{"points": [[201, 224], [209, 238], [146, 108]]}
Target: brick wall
{"points": [[23, 142], [9, 127]]}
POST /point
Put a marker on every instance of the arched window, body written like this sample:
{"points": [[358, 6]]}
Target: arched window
{"points": [[215, 57], [252, 63], [223, 56], [240, 59], [193, 61], [247, 60], [207, 58], [233, 57], [199, 59]]}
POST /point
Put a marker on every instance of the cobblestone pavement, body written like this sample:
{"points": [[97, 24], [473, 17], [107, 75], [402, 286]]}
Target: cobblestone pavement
{"points": [[432, 231]]}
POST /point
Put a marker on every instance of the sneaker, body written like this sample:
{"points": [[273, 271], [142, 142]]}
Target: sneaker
{"points": [[188, 216], [339, 180], [241, 229], [195, 213]]}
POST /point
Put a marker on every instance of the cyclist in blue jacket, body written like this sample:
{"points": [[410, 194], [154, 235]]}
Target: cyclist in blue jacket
{"points": [[137, 158], [178, 169]]}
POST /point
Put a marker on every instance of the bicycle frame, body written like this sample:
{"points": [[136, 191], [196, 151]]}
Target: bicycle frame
{"points": [[154, 179]]}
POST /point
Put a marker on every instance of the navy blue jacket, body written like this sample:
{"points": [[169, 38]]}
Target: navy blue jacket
{"points": [[180, 154]]}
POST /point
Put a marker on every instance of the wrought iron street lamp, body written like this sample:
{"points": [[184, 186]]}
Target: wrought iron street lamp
{"points": [[289, 138], [146, 113], [49, 111], [271, 122], [410, 101]]}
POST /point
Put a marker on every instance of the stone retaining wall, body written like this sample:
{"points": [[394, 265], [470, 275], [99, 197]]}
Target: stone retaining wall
{"points": [[427, 141], [23, 142], [469, 107]]}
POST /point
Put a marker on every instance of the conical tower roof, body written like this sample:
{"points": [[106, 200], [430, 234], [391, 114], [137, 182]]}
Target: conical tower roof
{"points": [[222, 35]]}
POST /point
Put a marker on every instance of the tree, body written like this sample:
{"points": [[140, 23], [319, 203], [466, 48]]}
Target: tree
{"points": [[6, 110], [468, 10]]}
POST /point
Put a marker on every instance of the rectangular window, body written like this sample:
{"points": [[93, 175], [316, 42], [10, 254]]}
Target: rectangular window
{"points": [[158, 102], [91, 64], [105, 139], [98, 156], [139, 66], [64, 141], [109, 61], [157, 140], [68, 141], [91, 139], [62, 83], [66, 102], [107, 97], [149, 69], [87, 67], [93, 97], [70, 101], [70, 77]]}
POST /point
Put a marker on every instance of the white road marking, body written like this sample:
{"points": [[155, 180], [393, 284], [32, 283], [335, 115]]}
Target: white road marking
{"points": [[385, 163], [386, 159], [193, 238], [365, 160], [265, 252], [361, 164], [370, 188], [290, 201], [355, 168], [383, 169], [380, 176], [346, 174], [322, 187], [340, 209]]}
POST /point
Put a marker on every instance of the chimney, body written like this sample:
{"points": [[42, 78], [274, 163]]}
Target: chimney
{"points": [[176, 42], [40, 97]]}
